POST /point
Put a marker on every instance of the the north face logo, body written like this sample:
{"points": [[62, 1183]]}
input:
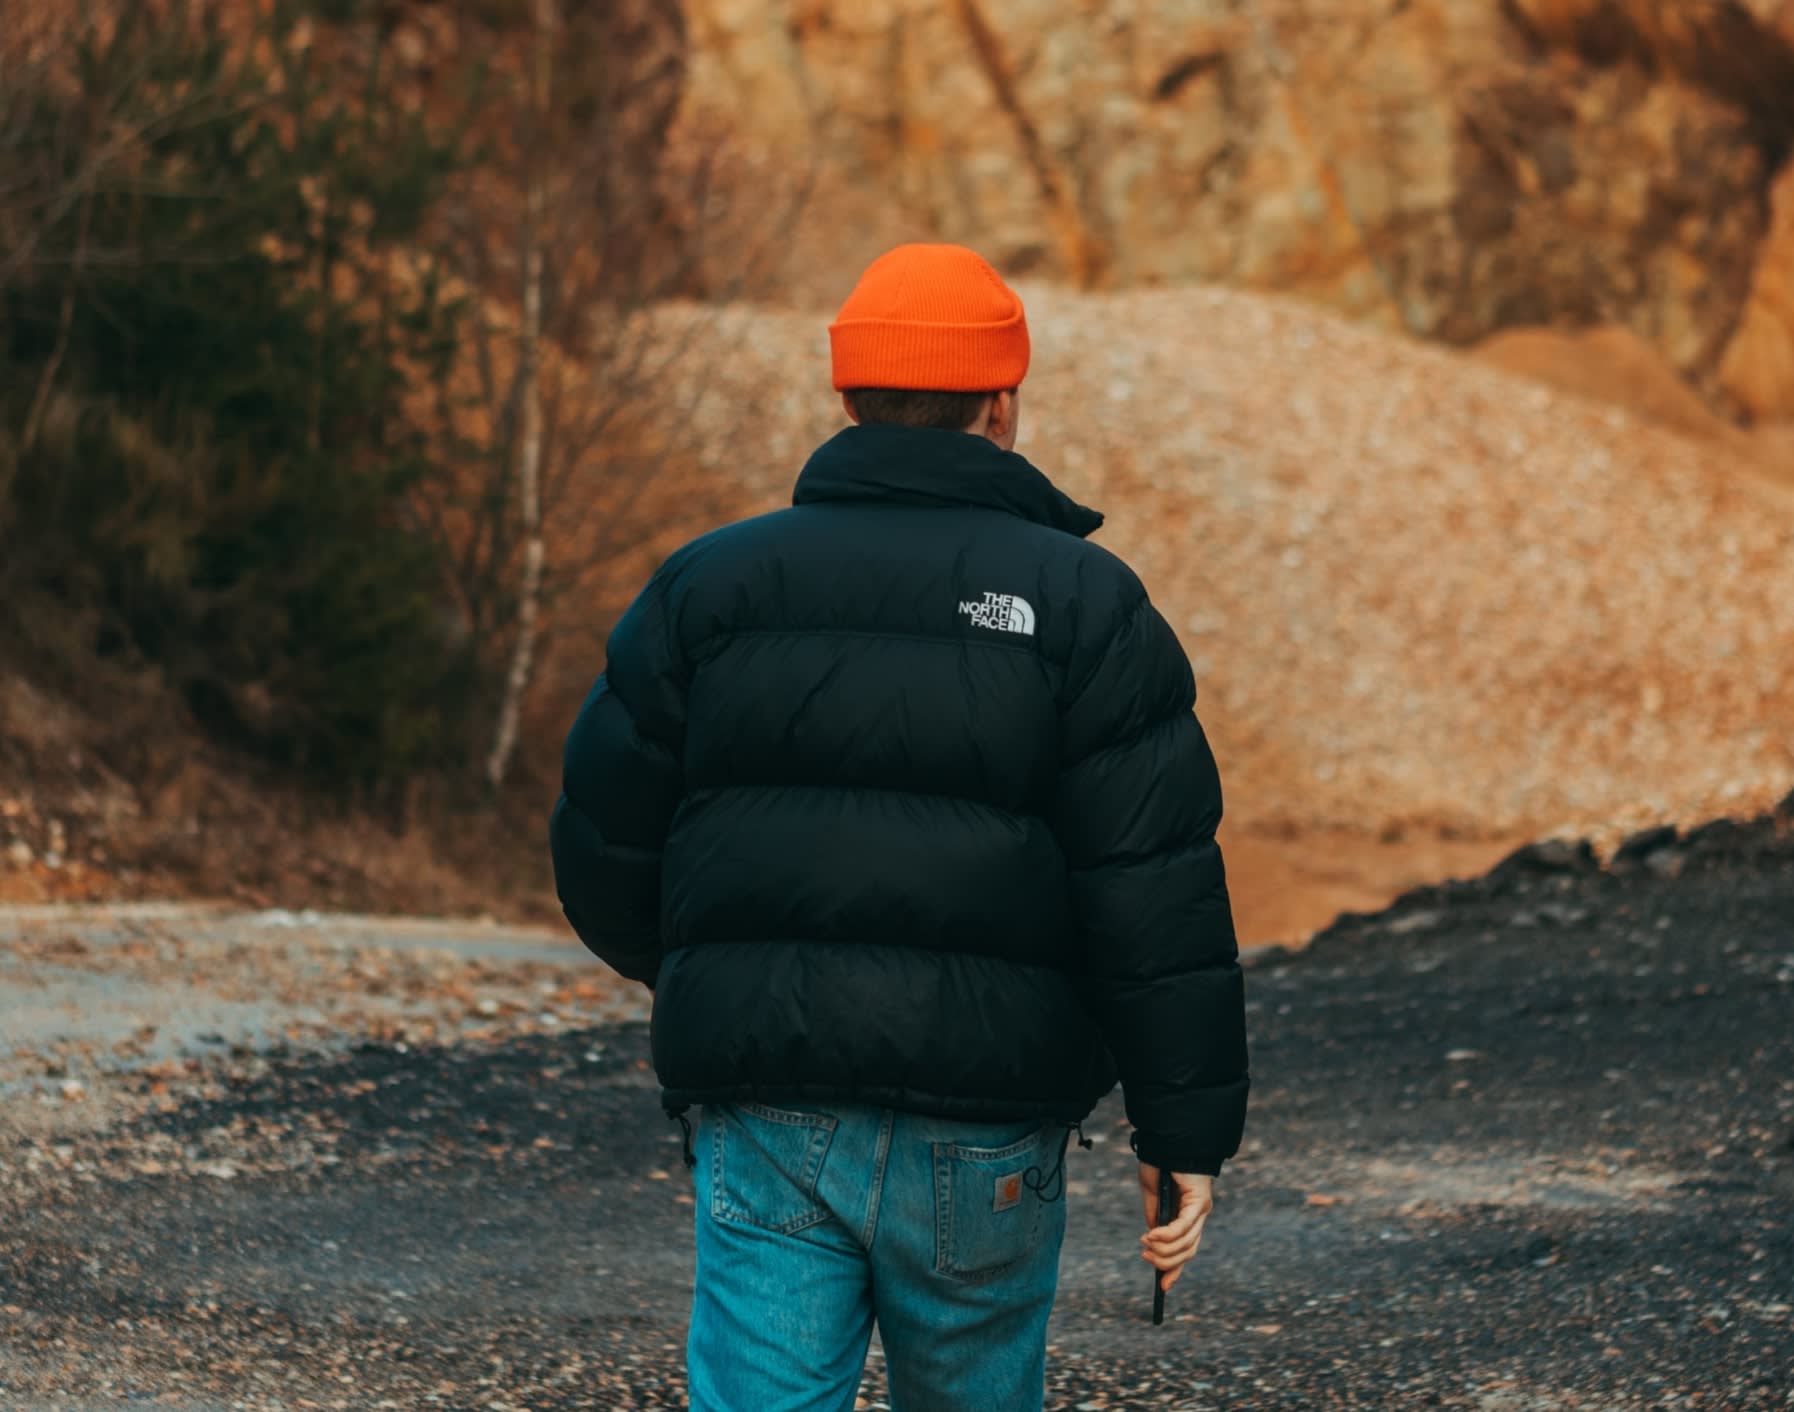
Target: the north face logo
{"points": [[1002, 611]]}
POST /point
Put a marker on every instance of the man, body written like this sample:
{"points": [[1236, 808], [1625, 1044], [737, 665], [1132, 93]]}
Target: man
{"points": [[897, 802]]}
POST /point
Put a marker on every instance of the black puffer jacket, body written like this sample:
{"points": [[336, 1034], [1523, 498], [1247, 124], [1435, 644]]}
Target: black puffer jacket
{"points": [[897, 796]]}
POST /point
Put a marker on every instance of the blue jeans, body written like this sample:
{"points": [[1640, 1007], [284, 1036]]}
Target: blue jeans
{"points": [[814, 1222]]}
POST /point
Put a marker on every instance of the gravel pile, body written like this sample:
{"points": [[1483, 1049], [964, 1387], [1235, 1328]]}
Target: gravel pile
{"points": [[1419, 593]]}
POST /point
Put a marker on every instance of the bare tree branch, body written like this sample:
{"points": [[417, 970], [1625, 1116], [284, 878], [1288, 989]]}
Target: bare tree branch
{"points": [[64, 322]]}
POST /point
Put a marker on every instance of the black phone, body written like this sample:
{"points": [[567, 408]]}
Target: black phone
{"points": [[1167, 1214]]}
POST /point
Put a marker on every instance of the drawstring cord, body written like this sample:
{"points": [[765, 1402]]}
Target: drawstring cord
{"points": [[691, 1159], [1038, 1184]]}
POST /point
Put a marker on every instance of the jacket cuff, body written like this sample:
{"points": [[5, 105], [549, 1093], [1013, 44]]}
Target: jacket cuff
{"points": [[1170, 1152]]}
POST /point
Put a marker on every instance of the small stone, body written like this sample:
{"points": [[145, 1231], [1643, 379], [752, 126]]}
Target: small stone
{"points": [[1554, 855], [1642, 845], [1666, 863]]}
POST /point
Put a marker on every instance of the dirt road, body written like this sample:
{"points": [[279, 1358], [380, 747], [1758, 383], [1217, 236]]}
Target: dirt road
{"points": [[1522, 1143]]}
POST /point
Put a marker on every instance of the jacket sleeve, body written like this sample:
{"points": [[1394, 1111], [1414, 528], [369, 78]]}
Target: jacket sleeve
{"points": [[1137, 804], [621, 780]]}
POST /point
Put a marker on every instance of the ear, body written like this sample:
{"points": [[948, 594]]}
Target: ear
{"points": [[847, 406], [1001, 414]]}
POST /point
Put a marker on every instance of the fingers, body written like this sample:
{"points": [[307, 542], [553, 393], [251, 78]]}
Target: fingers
{"points": [[1169, 1277], [1194, 1212], [1168, 1248], [1168, 1267], [1171, 1257], [1172, 1253]]}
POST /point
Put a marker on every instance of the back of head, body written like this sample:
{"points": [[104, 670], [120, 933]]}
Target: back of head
{"points": [[926, 336]]}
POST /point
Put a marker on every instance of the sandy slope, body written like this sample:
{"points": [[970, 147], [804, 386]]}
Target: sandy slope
{"points": [[1419, 592]]}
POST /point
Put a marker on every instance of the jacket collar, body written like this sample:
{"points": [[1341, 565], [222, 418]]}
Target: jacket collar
{"points": [[916, 466]]}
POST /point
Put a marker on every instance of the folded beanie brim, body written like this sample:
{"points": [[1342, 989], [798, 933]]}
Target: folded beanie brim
{"points": [[929, 357]]}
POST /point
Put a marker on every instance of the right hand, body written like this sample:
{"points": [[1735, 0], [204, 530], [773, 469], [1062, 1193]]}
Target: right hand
{"points": [[1169, 1248]]}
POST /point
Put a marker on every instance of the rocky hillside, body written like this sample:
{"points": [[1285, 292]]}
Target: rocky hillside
{"points": [[1448, 167]]}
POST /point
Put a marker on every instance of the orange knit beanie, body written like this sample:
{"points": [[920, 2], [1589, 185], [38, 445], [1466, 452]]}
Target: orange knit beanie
{"points": [[931, 318]]}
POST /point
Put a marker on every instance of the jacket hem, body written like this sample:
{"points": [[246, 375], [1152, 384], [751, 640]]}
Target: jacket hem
{"points": [[1067, 1110]]}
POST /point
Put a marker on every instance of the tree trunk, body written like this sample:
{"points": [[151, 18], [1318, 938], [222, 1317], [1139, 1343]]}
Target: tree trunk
{"points": [[40, 402], [529, 461]]}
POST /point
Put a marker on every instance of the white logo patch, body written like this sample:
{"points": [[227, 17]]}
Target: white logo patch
{"points": [[1003, 611]]}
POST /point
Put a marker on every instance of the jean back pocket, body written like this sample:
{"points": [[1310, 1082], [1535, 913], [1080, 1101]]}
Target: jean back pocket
{"points": [[987, 1208], [765, 1163]]}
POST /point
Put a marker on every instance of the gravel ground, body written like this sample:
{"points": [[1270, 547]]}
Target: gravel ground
{"points": [[1519, 1143], [103, 1006]]}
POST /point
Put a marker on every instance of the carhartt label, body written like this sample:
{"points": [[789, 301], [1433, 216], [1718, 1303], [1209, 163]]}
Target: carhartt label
{"points": [[1002, 611], [1009, 1192]]}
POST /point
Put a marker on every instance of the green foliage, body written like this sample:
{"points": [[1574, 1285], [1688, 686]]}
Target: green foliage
{"points": [[205, 467]]}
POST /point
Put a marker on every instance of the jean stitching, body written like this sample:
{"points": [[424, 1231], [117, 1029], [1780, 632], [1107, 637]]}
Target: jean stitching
{"points": [[992, 1154], [722, 1209], [813, 1160], [719, 1201], [787, 1117], [943, 1209], [880, 1156]]}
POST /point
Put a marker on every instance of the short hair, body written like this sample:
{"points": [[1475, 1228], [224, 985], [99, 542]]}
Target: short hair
{"points": [[898, 406]]}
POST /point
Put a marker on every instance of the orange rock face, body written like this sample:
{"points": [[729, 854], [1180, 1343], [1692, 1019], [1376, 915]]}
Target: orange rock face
{"points": [[1758, 369], [1451, 169]]}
